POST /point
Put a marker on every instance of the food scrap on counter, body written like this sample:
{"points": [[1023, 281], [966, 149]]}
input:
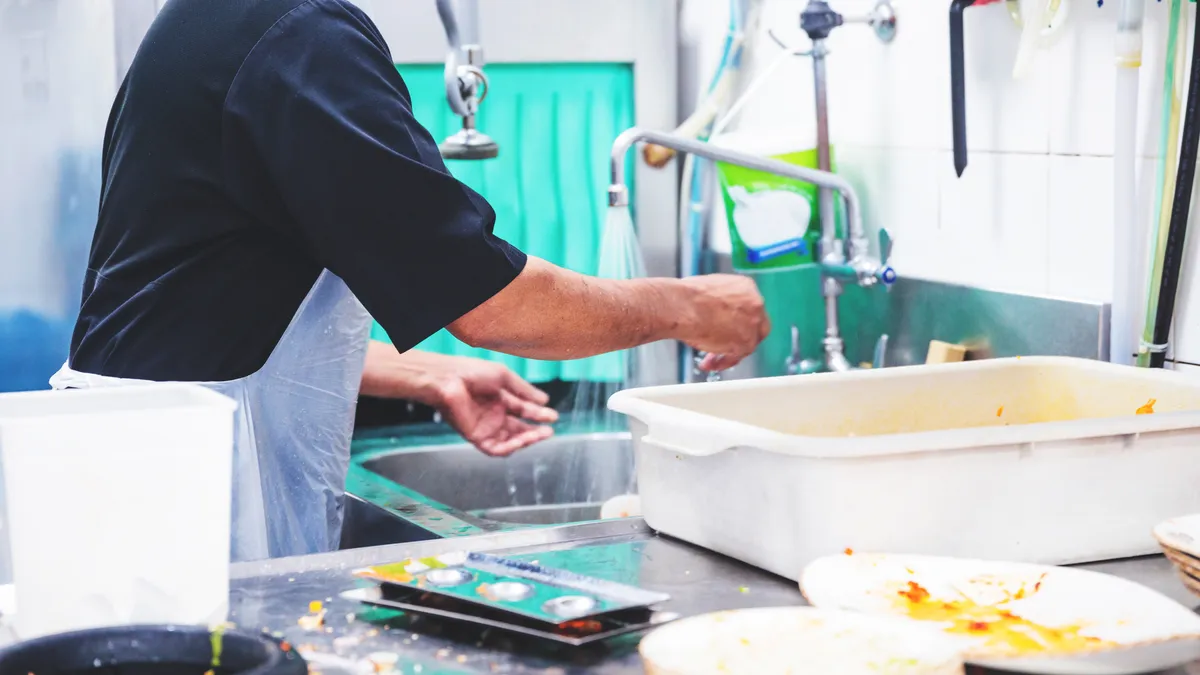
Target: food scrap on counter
{"points": [[1000, 411], [315, 619], [384, 662], [1147, 409], [849, 551]]}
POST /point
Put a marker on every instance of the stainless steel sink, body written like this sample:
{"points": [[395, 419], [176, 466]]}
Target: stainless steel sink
{"points": [[562, 480]]}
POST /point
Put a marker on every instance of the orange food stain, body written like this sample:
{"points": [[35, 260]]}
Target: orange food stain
{"points": [[1004, 633], [1000, 411], [915, 593], [849, 551], [581, 627], [1147, 409]]}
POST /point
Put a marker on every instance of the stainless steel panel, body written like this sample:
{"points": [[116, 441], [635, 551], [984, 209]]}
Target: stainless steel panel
{"points": [[991, 323], [915, 311]]}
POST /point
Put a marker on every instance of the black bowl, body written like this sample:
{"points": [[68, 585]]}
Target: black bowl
{"points": [[150, 650]]}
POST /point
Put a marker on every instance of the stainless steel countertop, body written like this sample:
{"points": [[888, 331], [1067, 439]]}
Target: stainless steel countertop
{"points": [[273, 595]]}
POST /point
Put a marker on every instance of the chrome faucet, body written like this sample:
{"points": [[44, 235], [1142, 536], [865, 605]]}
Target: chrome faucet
{"points": [[839, 264], [466, 84]]}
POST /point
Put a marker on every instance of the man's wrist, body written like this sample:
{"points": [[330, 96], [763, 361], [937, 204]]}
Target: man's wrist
{"points": [[673, 308], [409, 376]]}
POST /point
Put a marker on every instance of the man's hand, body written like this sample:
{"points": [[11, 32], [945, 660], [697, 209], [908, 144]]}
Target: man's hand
{"points": [[728, 319], [493, 408]]}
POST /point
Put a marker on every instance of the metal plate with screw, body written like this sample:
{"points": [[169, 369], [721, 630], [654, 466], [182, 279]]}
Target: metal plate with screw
{"points": [[448, 576], [512, 586], [510, 590], [569, 606]]}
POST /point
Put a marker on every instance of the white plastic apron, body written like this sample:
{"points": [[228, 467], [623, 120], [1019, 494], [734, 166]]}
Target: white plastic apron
{"points": [[293, 425]]}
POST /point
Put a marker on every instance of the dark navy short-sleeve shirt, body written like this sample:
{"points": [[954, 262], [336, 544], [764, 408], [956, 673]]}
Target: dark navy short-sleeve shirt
{"points": [[253, 144]]}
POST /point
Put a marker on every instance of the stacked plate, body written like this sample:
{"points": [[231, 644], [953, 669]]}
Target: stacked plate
{"points": [[1180, 540]]}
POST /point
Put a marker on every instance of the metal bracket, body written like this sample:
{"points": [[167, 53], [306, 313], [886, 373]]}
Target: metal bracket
{"points": [[882, 19], [819, 19]]}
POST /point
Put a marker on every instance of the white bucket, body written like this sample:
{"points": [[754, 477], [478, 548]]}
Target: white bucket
{"points": [[117, 506]]}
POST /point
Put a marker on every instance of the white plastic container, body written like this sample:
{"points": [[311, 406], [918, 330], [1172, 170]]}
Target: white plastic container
{"points": [[1039, 460], [118, 505]]}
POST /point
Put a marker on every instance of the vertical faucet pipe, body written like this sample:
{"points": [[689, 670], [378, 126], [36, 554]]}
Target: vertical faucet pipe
{"points": [[468, 11], [454, 95], [1126, 241], [830, 251]]}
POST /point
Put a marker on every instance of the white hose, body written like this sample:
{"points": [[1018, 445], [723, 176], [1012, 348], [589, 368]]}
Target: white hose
{"points": [[755, 85], [1126, 240]]}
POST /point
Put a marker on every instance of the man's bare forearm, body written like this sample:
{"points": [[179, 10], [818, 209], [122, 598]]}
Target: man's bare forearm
{"points": [[552, 313], [388, 373]]}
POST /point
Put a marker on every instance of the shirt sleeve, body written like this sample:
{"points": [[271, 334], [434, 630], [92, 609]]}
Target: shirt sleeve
{"points": [[319, 118]]}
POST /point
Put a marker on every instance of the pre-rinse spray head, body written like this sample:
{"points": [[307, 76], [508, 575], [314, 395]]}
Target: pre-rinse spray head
{"points": [[466, 84]]}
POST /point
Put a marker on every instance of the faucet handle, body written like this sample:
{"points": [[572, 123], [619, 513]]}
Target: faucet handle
{"points": [[793, 364], [885, 245]]}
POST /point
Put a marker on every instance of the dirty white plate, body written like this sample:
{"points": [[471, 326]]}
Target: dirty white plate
{"points": [[1186, 567], [1181, 534], [1016, 617], [797, 641]]}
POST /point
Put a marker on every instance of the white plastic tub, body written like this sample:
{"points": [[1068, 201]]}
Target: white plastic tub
{"points": [[1038, 460], [117, 504]]}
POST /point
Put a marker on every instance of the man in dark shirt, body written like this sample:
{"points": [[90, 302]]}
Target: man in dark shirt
{"points": [[263, 174]]}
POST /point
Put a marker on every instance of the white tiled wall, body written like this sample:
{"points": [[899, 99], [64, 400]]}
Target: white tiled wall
{"points": [[1034, 210]]}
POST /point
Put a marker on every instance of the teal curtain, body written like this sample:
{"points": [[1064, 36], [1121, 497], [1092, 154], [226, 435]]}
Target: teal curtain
{"points": [[555, 124]]}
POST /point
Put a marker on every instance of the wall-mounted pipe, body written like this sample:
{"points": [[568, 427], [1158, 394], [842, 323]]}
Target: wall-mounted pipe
{"points": [[1168, 147]]}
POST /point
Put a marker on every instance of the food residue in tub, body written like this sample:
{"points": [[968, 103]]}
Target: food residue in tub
{"points": [[1003, 632], [743, 589], [1147, 409], [1000, 411], [849, 551]]}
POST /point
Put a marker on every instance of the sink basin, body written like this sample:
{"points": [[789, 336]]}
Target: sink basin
{"points": [[562, 480]]}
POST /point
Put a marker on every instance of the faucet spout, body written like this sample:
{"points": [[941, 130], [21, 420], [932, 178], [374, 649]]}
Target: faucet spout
{"points": [[860, 267]]}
